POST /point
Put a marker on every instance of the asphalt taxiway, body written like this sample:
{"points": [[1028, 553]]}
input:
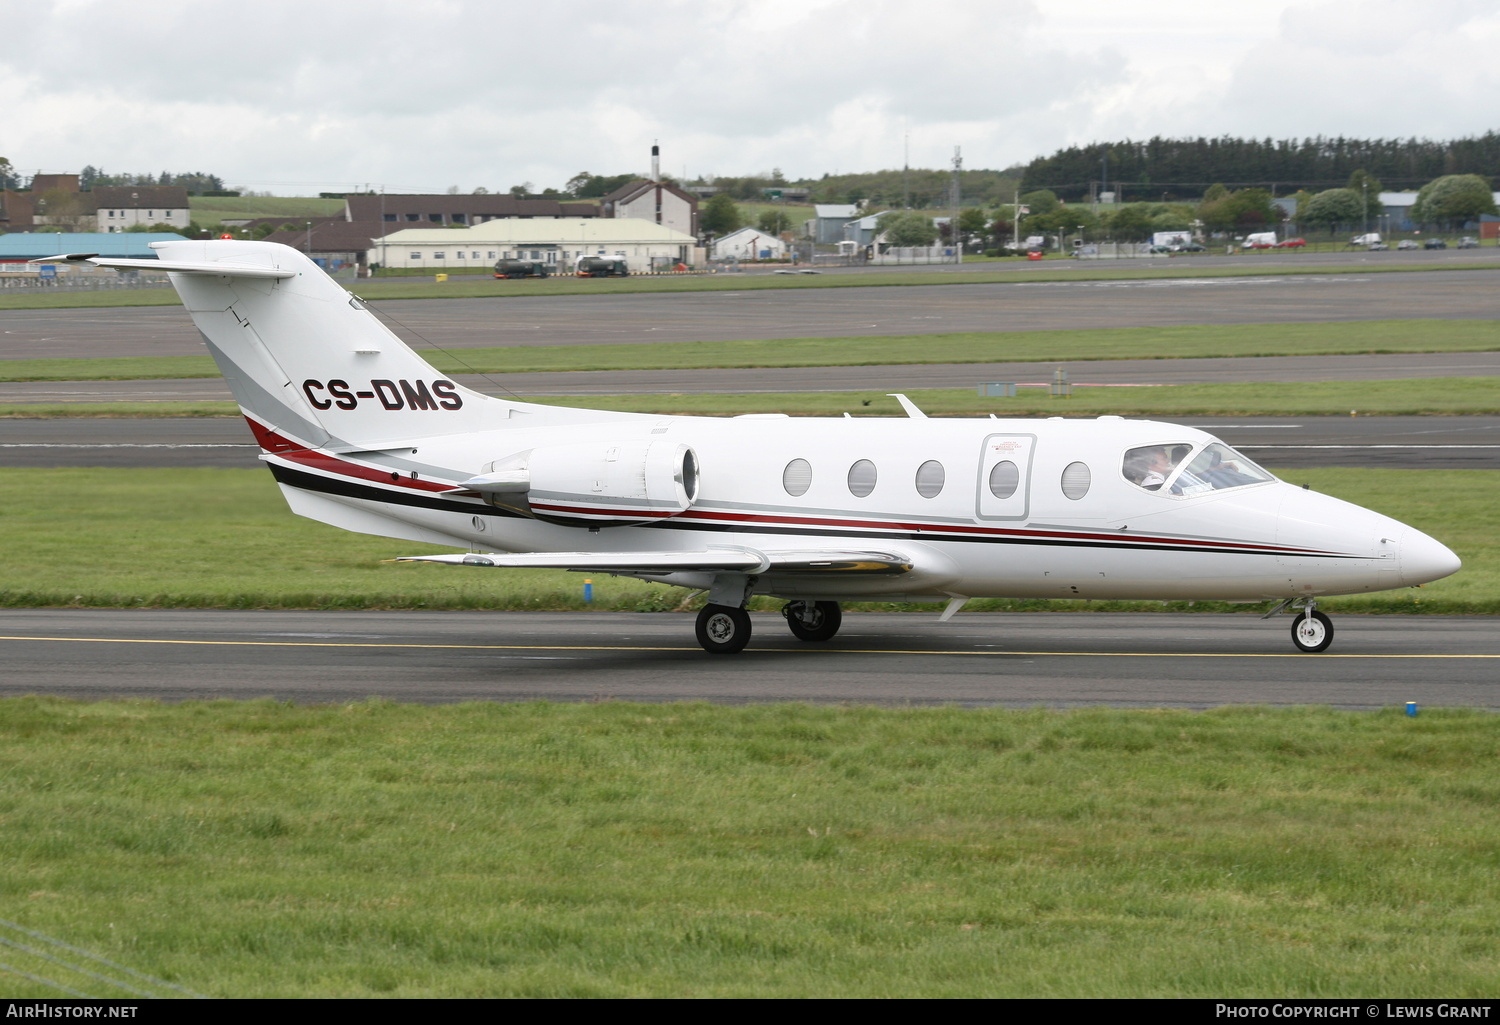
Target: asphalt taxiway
{"points": [[815, 312], [1019, 660]]}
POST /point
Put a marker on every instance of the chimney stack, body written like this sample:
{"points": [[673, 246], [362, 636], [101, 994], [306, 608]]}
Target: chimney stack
{"points": [[655, 162]]}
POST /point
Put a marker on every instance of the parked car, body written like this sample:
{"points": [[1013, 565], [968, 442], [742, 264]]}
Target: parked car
{"points": [[1468, 242], [1407, 243], [1291, 243], [1434, 243], [520, 269], [1376, 247], [1187, 247]]}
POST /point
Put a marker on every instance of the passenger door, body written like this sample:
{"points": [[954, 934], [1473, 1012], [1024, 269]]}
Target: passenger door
{"points": [[1004, 485]]}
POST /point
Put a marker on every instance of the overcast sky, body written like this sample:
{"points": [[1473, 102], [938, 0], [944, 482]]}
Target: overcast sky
{"points": [[420, 95]]}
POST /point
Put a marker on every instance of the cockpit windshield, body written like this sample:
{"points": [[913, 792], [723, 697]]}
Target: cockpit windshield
{"points": [[1178, 470]]}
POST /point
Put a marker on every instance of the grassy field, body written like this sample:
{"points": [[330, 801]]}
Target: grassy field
{"points": [[1001, 272], [213, 209], [210, 538], [1179, 342], [622, 850]]}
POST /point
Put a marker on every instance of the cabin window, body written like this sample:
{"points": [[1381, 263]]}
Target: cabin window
{"points": [[1076, 480], [1168, 468], [1005, 477], [415, 256], [1150, 466], [440, 256], [797, 477], [930, 477], [862, 478]]}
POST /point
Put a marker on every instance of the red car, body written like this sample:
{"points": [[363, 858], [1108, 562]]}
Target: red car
{"points": [[1292, 243]]}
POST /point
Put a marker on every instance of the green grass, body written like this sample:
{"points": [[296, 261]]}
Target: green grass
{"points": [[1002, 272], [544, 850], [207, 209], [219, 538], [1177, 342]]}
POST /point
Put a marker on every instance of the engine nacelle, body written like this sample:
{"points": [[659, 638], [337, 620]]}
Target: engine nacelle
{"points": [[594, 484]]}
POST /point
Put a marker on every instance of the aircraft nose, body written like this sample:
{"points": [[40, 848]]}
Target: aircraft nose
{"points": [[1423, 559]]}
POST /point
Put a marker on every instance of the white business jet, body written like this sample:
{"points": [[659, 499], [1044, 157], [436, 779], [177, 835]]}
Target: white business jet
{"points": [[361, 433]]}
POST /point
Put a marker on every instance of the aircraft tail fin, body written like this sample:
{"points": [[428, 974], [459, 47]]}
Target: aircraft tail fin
{"points": [[302, 354]]}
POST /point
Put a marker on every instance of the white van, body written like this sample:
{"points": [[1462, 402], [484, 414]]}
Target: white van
{"points": [[1365, 240], [1260, 240]]}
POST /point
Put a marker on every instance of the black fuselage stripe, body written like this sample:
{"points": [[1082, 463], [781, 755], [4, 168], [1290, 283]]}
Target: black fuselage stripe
{"points": [[346, 488]]}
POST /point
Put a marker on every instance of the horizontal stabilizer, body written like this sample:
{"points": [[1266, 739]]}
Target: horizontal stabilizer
{"points": [[225, 270], [717, 560]]}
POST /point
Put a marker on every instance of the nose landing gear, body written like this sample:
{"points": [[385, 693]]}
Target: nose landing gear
{"points": [[1312, 631]]}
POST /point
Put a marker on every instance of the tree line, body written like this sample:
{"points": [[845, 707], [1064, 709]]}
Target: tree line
{"points": [[1161, 168]]}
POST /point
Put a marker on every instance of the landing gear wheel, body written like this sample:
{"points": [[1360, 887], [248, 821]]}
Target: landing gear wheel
{"points": [[813, 620], [723, 630], [1312, 632]]}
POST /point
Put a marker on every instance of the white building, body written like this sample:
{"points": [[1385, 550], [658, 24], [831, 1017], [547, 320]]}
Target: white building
{"points": [[749, 244], [558, 243], [653, 201], [118, 207]]}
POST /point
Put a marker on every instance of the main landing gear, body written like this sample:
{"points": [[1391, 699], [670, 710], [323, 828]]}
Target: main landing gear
{"points": [[813, 620], [724, 629], [1312, 631]]}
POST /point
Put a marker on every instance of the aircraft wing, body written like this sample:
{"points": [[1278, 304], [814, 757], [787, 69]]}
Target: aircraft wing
{"points": [[720, 560]]}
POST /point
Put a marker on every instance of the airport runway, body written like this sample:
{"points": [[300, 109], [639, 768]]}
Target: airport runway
{"points": [[1019, 660], [814, 313], [1392, 442]]}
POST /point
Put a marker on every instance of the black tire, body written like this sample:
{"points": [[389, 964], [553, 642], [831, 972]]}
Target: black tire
{"points": [[723, 630], [1312, 635], [813, 620]]}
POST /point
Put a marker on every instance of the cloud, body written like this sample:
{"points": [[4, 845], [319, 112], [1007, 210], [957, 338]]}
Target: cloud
{"points": [[428, 93]]}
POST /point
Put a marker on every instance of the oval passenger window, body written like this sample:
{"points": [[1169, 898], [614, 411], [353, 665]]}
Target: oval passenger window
{"points": [[1005, 477], [797, 477], [862, 478], [1075, 480], [930, 477]]}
